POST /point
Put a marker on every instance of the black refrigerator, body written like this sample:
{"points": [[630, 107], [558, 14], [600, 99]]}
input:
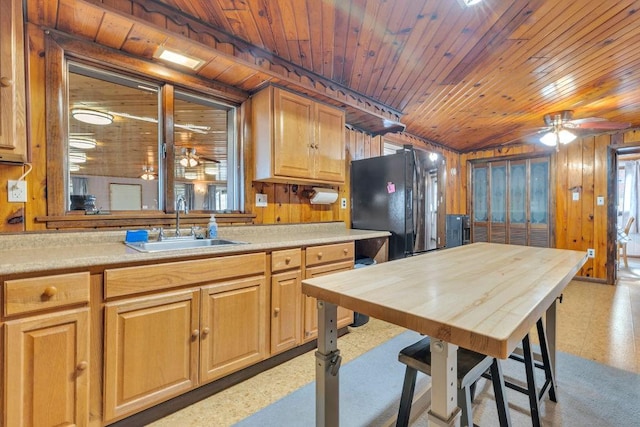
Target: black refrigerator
{"points": [[397, 193]]}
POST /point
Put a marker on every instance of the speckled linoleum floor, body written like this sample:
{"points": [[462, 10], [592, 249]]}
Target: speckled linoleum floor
{"points": [[596, 322]]}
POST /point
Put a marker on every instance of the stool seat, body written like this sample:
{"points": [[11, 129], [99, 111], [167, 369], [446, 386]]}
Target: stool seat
{"points": [[471, 366]]}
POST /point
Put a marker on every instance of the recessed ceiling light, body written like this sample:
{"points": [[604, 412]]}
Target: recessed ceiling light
{"points": [[178, 58], [93, 117]]}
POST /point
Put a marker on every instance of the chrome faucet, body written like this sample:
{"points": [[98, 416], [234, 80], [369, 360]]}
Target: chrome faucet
{"points": [[180, 202]]}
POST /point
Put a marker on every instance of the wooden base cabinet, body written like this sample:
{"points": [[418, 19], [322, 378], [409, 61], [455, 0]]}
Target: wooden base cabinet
{"points": [[320, 261], [286, 302], [233, 322], [162, 345], [46, 370], [151, 351]]}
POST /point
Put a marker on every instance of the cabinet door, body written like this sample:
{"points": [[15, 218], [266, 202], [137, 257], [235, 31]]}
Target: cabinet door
{"points": [[285, 310], [234, 323], [13, 123], [345, 317], [294, 136], [151, 348], [46, 366], [329, 153]]}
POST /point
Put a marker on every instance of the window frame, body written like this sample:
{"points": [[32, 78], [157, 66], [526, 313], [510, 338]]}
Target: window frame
{"points": [[60, 49]]}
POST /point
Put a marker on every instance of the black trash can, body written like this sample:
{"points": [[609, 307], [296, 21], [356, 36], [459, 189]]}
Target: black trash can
{"points": [[360, 319]]}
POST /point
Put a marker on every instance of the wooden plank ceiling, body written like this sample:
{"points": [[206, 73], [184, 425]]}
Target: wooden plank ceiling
{"points": [[464, 77]]}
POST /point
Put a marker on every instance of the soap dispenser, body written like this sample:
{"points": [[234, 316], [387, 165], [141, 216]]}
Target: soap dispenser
{"points": [[213, 227]]}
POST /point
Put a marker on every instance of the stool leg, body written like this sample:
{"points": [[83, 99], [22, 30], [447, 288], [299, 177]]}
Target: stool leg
{"points": [[500, 393], [407, 397], [534, 403], [464, 402], [548, 372]]}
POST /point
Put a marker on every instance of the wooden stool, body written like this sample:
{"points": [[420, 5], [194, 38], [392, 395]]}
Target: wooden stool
{"points": [[471, 366], [529, 363]]}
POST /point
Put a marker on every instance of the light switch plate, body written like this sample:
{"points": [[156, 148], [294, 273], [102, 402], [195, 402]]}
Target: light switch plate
{"points": [[600, 200], [576, 196], [343, 203], [261, 200]]}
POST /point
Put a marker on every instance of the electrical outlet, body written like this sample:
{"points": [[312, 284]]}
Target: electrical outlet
{"points": [[17, 191], [261, 200], [343, 203], [591, 253]]}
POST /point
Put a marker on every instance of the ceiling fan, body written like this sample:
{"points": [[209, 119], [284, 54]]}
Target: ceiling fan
{"points": [[561, 127], [189, 158]]}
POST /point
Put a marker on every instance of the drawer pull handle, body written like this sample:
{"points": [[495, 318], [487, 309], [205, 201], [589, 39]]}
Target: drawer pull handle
{"points": [[346, 251], [319, 255], [205, 332], [50, 291], [195, 333], [287, 260], [276, 311], [82, 365]]}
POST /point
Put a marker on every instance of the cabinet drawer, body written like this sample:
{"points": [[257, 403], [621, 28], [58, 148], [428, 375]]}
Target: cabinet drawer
{"points": [[40, 293], [147, 278], [285, 259], [330, 253]]}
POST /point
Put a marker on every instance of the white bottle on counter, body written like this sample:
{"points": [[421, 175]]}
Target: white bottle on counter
{"points": [[213, 228]]}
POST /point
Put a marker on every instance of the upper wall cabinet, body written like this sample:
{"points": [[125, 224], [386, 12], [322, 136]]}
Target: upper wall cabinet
{"points": [[297, 139], [13, 123]]}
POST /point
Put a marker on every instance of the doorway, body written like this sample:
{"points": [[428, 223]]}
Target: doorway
{"points": [[628, 211]]}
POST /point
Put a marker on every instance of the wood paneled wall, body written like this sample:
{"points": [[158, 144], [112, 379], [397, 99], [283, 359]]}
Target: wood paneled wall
{"points": [[581, 167]]}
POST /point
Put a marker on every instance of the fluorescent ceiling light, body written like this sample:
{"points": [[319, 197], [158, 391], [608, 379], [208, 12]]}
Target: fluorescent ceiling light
{"points": [[82, 143], [468, 3], [190, 175], [178, 58], [210, 170], [73, 167], [92, 116]]}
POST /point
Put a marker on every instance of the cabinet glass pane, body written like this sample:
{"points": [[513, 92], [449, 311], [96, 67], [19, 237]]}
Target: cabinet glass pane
{"points": [[480, 185], [517, 194], [539, 192], [498, 193]]}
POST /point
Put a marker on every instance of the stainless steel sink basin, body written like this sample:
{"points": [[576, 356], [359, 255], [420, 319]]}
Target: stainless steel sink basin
{"points": [[177, 244]]}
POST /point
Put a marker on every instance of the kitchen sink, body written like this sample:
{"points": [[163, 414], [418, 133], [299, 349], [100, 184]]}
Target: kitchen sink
{"points": [[177, 244]]}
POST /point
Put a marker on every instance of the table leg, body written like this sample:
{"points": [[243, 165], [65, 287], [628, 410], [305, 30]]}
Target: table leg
{"points": [[444, 410], [327, 366]]}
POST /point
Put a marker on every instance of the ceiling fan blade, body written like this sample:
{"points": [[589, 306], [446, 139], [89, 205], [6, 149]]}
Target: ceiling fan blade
{"points": [[208, 159], [596, 123], [527, 135]]}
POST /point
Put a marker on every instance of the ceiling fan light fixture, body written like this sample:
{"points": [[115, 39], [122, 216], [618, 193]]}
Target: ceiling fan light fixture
{"points": [[188, 162], [565, 137], [92, 117], [147, 174], [549, 139]]}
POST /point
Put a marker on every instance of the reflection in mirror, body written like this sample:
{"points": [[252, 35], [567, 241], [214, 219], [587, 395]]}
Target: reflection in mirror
{"points": [[204, 141], [113, 139]]}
